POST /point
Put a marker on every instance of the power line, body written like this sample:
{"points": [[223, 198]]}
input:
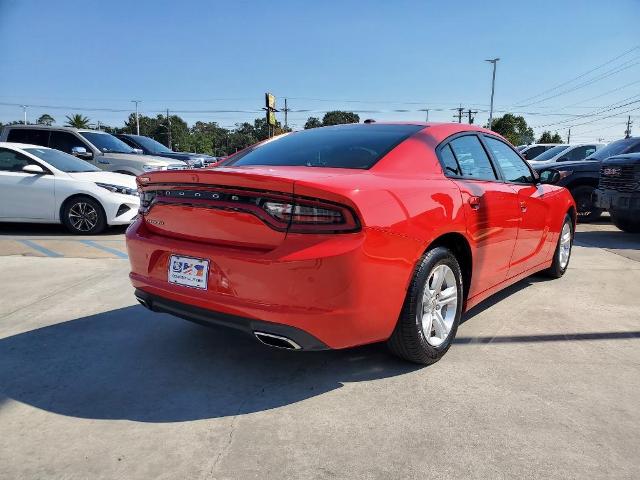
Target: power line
{"points": [[582, 75]]}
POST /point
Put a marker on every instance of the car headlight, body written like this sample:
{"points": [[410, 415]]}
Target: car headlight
{"points": [[151, 168], [118, 189], [195, 162]]}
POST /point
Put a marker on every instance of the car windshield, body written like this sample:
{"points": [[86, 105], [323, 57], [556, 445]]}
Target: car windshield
{"points": [[552, 152], [344, 146], [107, 143], [62, 161], [614, 148], [150, 144]]}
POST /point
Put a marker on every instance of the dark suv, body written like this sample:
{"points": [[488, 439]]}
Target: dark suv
{"points": [[149, 146], [582, 177], [619, 191]]}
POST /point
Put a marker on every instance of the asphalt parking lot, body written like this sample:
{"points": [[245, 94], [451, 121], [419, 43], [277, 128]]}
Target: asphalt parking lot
{"points": [[543, 381]]}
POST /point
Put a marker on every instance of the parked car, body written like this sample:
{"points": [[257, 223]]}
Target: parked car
{"points": [[567, 153], [351, 234], [582, 177], [530, 152], [149, 146], [100, 149], [43, 185], [619, 190]]}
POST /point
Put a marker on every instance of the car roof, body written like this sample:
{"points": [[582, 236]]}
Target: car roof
{"points": [[20, 145], [631, 156]]}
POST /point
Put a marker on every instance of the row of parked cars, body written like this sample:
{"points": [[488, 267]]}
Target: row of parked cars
{"points": [[87, 201], [82, 178], [600, 177]]}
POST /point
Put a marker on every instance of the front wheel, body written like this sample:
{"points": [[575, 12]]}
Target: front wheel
{"points": [[563, 250], [84, 216], [432, 309]]}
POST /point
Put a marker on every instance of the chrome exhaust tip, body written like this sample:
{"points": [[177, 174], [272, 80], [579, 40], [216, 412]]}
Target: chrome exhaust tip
{"points": [[276, 341]]}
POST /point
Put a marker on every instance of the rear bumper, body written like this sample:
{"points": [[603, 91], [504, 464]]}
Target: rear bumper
{"points": [[613, 200], [211, 318], [342, 290]]}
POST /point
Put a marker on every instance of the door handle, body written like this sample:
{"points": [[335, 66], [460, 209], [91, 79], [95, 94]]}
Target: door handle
{"points": [[523, 206], [474, 202]]}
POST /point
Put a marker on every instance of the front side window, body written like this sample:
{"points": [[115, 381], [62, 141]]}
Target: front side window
{"points": [[472, 159], [65, 141], [11, 161], [533, 152], [513, 168], [579, 153], [549, 154], [147, 143]]}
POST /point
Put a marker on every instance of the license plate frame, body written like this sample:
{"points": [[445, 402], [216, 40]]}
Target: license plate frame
{"points": [[186, 271]]}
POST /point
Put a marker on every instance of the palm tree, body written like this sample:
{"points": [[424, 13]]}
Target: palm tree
{"points": [[45, 119], [77, 121]]}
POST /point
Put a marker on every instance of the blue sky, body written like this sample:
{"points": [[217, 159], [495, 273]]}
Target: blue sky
{"points": [[379, 56]]}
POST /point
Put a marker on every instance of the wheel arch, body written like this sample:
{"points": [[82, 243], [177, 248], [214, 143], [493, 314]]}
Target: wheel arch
{"points": [[459, 245], [75, 196]]}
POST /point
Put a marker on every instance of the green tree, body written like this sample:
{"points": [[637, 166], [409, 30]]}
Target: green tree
{"points": [[546, 137], [312, 122], [45, 119], [77, 121], [338, 117], [513, 128]]}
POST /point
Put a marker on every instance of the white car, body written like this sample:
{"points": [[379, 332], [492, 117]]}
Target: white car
{"points": [[43, 185], [566, 153]]}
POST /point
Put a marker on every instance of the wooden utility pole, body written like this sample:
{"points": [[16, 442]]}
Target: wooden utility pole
{"points": [[627, 132], [569, 136], [168, 130], [460, 109], [471, 113]]}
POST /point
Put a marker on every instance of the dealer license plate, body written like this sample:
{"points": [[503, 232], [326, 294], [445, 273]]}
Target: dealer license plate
{"points": [[188, 271]]}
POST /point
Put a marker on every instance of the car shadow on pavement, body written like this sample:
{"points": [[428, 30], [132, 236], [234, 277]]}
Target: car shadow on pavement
{"points": [[132, 364], [618, 240]]}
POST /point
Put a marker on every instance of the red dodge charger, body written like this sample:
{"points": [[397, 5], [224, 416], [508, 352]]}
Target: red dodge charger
{"points": [[347, 235]]}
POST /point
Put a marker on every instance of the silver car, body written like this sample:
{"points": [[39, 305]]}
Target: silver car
{"points": [[98, 148]]}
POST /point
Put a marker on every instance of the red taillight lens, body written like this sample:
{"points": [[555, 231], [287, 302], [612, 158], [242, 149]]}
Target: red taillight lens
{"points": [[311, 217]]}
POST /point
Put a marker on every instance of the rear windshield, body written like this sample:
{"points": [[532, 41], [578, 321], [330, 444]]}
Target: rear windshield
{"points": [[344, 146]]}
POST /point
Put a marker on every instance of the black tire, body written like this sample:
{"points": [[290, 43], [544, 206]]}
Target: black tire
{"points": [[408, 340], [557, 270], [587, 210], [625, 223], [83, 216]]}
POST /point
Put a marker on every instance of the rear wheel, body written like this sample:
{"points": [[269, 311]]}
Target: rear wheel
{"points": [[625, 223], [562, 254], [587, 211], [84, 216], [431, 313]]}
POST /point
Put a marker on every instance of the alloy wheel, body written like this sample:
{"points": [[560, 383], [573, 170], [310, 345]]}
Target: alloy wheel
{"points": [[565, 245], [439, 305], [83, 216]]}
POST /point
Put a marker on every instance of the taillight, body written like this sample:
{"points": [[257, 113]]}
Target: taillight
{"points": [[279, 211], [307, 216]]}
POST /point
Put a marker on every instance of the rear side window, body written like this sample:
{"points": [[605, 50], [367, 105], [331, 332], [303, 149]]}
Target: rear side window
{"points": [[344, 146], [512, 166], [24, 135], [472, 159], [449, 161], [579, 153]]}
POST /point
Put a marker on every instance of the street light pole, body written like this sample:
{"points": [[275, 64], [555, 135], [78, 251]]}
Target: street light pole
{"points": [[137, 119], [24, 109], [493, 88]]}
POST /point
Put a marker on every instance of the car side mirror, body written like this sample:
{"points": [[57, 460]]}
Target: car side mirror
{"points": [[37, 169], [138, 151], [81, 152], [550, 176]]}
